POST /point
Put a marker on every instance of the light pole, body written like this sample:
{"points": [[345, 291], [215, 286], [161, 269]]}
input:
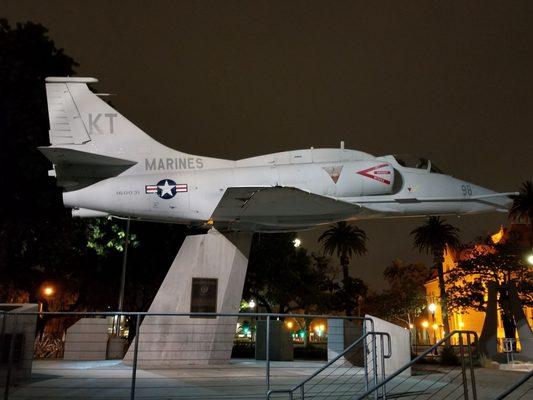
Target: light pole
{"points": [[425, 325], [432, 307], [123, 276]]}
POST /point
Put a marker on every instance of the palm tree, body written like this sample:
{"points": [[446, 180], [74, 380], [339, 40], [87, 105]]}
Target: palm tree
{"points": [[433, 237], [522, 208], [345, 241]]}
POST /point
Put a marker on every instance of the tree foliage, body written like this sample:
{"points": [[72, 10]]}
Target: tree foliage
{"points": [[434, 237], [280, 276], [522, 208], [105, 236], [346, 241], [39, 239], [40, 242], [405, 298], [503, 264]]}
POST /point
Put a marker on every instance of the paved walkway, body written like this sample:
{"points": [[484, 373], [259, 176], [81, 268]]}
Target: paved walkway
{"points": [[241, 379]]}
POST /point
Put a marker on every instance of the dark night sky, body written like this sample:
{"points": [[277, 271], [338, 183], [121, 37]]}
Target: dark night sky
{"points": [[449, 80]]}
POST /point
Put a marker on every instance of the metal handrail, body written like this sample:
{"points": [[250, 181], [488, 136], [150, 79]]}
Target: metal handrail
{"points": [[182, 314], [517, 384], [139, 315], [338, 357], [416, 359]]}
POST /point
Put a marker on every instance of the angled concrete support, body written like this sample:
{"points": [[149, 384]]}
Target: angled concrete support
{"points": [[488, 341], [207, 275], [522, 326]]}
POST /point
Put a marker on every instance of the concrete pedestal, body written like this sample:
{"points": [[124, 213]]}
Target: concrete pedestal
{"points": [[281, 347], [17, 333], [212, 263], [115, 348], [341, 334], [87, 340]]}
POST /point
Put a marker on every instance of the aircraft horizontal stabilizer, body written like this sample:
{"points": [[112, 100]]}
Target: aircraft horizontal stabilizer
{"points": [[272, 208], [76, 169]]}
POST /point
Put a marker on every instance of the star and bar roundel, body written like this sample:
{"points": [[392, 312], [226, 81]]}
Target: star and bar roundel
{"points": [[166, 188]]}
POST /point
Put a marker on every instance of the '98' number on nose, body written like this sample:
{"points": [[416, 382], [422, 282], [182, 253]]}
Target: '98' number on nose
{"points": [[467, 190]]}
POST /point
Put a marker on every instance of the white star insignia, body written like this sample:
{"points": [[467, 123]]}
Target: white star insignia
{"points": [[166, 189]]}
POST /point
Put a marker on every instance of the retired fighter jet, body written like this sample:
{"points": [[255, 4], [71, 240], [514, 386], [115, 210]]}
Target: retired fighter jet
{"points": [[108, 166]]}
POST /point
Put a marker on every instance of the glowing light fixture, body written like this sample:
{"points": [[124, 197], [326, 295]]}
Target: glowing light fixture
{"points": [[411, 326], [432, 307], [461, 324], [296, 242], [289, 324], [530, 259], [435, 327], [425, 324], [251, 304], [48, 291]]}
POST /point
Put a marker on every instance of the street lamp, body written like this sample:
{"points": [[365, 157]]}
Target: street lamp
{"points": [[425, 335], [48, 291]]}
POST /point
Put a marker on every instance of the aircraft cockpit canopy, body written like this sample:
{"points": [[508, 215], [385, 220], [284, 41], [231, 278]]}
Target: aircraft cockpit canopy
{"points": [[417, 163]]}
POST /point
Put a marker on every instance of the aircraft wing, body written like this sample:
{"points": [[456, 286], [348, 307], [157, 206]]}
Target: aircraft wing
{"points": [[278, 208]]}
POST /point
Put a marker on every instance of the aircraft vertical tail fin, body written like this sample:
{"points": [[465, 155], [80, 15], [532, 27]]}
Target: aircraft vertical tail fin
{"points": [[66, 124], [81, 122], [78, 116]]}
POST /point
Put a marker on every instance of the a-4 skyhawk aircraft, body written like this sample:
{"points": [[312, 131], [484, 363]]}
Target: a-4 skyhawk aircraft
{"points": [[108, 166]]}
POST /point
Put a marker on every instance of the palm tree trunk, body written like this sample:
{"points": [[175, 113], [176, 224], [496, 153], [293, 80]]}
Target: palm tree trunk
{"points": [[439, 261], [531, 230], [345, 277], [345, 273]]}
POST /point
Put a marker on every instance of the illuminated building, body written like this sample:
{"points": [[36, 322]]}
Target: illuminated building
{"points": [[472, 319]]}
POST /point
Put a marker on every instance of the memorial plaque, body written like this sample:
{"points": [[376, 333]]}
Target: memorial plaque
{"points": [[204, 295]]}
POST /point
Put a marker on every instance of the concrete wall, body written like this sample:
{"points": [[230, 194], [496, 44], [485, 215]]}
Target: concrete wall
{"points": [[401, 349], [341, 334], [23, 327], [173, 341], [87, 340]]}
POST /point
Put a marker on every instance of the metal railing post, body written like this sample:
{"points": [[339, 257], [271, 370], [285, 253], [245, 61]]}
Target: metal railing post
{"points": [[375, 362], [463, 369], [135, 353], [382, 355], [472, 374], [267, 355], [365, 354], [2, 333], [10, 356]]}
